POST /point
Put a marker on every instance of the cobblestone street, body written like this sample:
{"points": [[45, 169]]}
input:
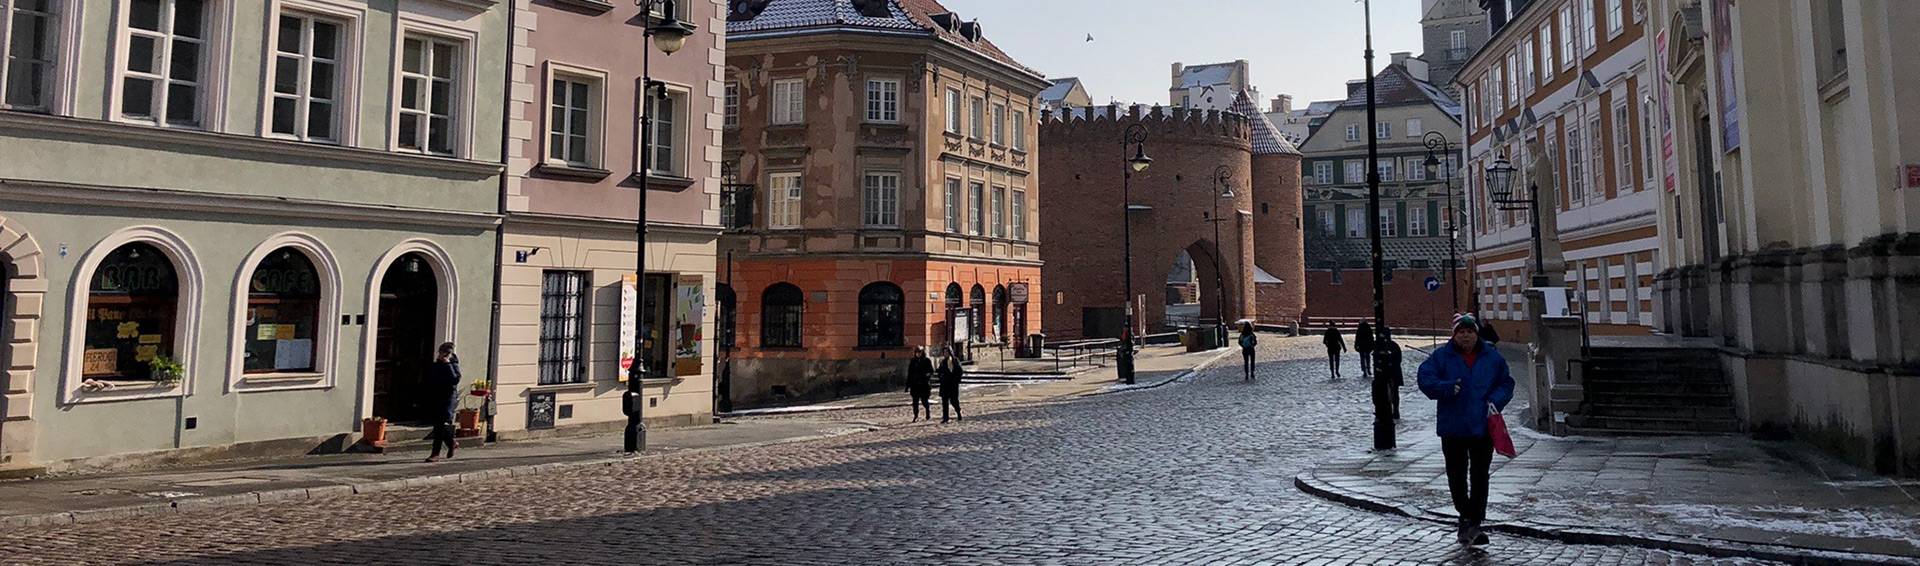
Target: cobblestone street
{"points": [[1193, 473]]}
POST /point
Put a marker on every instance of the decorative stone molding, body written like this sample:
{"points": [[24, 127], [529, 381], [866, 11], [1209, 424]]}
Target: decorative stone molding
{"points": [[26, 288]]}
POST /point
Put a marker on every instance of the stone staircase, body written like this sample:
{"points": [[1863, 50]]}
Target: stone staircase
{"points": [[1654, 391]]}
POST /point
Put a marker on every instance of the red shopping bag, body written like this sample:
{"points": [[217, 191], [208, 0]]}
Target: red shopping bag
{"points": [[1497, 428]]}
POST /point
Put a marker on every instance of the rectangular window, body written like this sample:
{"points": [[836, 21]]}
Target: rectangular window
{"points": [[1564, 30], [1415, 128], [953, 111], [1457, 39], [999, 212], [1829, 40], [1415, 169], [1622, 148], [1356, 171], [1382, 130], [305, 78], [27, 57], [1327, 227], [953, 205], [1588, 19], [1546, 55], [1417, 220], [977, 114], [1388, 228], [882, 199], [570, 122], [1513, 79], [1646, 136], [1353, 132], [1576, 164], [1616, 21], [1019, 215], [1323, 173], [977, 202], [1000, 124], [1526, 63], [1356, 222], [1385, 168], [1020, 130], [883, 100], [732, 103], [429, 84], [790, 101], [783, 200], [165, 54], [1500, 93], [1596, 141], [665, 137], [563, 327]]}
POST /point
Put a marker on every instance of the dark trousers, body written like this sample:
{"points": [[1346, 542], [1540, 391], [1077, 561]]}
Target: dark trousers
{"points": [[1333, 361], [954, 402], [1246, 362], [442, 435], [1464, 456], [922, 400], [1366, 363]]}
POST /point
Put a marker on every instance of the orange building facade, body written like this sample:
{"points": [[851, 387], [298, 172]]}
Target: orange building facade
{"points": [[882, 194]]}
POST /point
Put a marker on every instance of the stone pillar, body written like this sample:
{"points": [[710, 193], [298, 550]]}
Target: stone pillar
{"points": [[1762, 308], [1822, 295], [1557, 387]]}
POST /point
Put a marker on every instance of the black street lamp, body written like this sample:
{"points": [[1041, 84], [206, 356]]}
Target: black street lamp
{"points": [[1500, 187], [1222, 179], [1136, 137], [1382, 405], [669, 35], [1437, 146]]}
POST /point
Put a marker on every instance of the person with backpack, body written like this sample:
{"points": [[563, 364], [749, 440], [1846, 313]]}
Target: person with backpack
{"points": [[1363, 345], [1470, 381], [1247, 342], [1335, 347]]}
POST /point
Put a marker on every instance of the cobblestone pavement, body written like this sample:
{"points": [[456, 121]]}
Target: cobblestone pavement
{"points": [[1192, 473]]}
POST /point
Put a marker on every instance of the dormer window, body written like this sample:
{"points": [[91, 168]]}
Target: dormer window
{"points": [[743, 10], [970, 30], [873, 8], [947, 20]]}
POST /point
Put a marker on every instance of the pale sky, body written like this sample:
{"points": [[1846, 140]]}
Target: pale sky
{"points": [[1306, 48]]}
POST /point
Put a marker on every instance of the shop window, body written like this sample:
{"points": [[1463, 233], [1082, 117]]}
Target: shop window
{"points": [[131, 305], [979, 307], [883, 319], [283, 314]]}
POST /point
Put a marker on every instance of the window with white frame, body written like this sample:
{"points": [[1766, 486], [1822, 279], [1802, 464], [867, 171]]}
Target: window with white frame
{"points": [[1385, 168], [668, 135], [306, 78], [1323, 173], [161, 80], [1417, 219], [1616, 20], [732, 105], [1513, 79], [1415, 168], [1000, 124], [1356, 222], [572, 102], [954, 207], [883, 100], [783, 200], [1596, 140], [977, 116], [1526, 64], [1622, 147], [429, 94], [1327, 226], [1546, 55], [999, 212], [1646, 135], [1415, 128], [1501, 94], [1457, 39], [953, 111], [1019, 215], [1576, 163], [1353, 132], [1564, 30], [1356, 171], [882, 199], [977, 203], [29, 53], [1588, 19], [1382, 130], [1020, 130], [790, 101]]}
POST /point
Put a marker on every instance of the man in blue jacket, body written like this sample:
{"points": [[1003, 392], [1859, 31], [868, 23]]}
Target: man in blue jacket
{"points": [[1469, 378]]}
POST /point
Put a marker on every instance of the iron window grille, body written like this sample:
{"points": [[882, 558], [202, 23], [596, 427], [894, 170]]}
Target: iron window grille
{"points": [[563, 328]]}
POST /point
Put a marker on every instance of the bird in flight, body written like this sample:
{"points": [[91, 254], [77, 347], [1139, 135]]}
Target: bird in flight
{"points": [[1089, 37]]}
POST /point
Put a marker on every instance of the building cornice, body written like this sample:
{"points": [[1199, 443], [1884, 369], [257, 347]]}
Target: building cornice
{"points": [[246, 146], [859, 39], [928, 256], [248, 206], [610, 226]]}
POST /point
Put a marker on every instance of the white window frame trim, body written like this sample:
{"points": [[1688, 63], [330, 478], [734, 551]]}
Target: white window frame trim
{"points": [[774, 107], [325, 335], [865, 202], [346, 106], [213, 70], [596, 113], [186, 323], [463, 110], [774, 192], [899, 91], [681, 132], [63, 82]]}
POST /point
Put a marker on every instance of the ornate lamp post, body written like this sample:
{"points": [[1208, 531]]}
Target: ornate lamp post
{"points": [[1222, 178], [669, 35], [1437, 145], [1136, 138]]}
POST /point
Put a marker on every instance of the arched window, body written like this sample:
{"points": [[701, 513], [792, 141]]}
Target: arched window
{"points": [[131, 305], [979, 312], [724, 300], [956, 300], [1000, 311], [883, 316], [283, 314], [781, 306]]}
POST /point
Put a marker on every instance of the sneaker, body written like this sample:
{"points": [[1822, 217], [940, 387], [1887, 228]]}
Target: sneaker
{"points": [[1460, 534], [1479, 538]]}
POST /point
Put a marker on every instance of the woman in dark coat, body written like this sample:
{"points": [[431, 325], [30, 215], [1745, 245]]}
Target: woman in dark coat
{"points": [[1363, 345], [1388, 371], [1247, 343], [949, 389], [920, 382], [443, 384], [1335, 347]]}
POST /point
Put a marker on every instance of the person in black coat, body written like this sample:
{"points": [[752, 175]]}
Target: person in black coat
{"points": [[920, 382], [1387, 368], [443, 385], [1488, 332], [1335, 347], [1363, 345], [949, 389]]}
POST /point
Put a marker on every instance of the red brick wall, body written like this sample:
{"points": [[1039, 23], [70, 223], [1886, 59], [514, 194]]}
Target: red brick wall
{"points": [[1277, 227], [1409, 304]]}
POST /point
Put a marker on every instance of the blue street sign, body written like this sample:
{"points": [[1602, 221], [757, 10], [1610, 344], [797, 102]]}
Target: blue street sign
{"points": [[1433, 284]]}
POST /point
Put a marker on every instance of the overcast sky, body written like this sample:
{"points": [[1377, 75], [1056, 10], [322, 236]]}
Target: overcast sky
{"points": [[1307, 48]]}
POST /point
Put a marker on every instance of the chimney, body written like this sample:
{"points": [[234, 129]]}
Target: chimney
{"points": [[1418, 68], [1244, 72], [1177, 69], [1401, 56], [1283, 103]]}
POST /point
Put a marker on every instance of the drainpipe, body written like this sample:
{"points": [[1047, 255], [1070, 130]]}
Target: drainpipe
{"points": [[499, 232]]}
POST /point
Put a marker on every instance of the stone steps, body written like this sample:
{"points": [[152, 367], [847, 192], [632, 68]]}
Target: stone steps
{"points": [[1655, 391]]}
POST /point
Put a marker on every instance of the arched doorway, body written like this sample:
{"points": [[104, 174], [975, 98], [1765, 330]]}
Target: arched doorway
{"points": [[955, 302], [405, 328], [1194, 296], [1000, 313]]}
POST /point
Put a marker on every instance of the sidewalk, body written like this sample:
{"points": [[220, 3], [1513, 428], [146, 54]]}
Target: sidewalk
{"points": [[92, 497], [1715, 495]]}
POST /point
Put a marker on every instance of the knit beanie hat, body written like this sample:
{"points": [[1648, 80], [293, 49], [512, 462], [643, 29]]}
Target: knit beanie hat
{"points": [[1464, 320]]}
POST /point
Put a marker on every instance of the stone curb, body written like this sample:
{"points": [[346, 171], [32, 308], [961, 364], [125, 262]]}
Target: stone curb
{"points": [[190, 504], [1190, 372], [1312, 485]]}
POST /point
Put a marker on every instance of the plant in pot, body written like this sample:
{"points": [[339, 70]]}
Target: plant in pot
{"points": [[467, 418], [165, 370]]}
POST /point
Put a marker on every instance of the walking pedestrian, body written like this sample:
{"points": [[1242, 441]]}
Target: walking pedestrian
{"points": [[1469, 379], [949, 390], [443, 386], [1487, 331], [1247, 342], [1335, 347], [920, 382], [1386, 368], [1363, 345]]}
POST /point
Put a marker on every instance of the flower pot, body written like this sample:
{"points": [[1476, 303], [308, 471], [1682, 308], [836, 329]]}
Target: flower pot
{"points": [[468, 421], [373, 431]]}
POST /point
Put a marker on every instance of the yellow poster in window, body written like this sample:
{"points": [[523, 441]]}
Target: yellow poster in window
{"points": [[128, 330], [284, 331], [266, 332], [146, 353], [151, 338]]}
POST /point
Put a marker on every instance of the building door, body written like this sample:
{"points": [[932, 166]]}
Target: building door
{"points": [[403, 340], [1709, 189]]}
